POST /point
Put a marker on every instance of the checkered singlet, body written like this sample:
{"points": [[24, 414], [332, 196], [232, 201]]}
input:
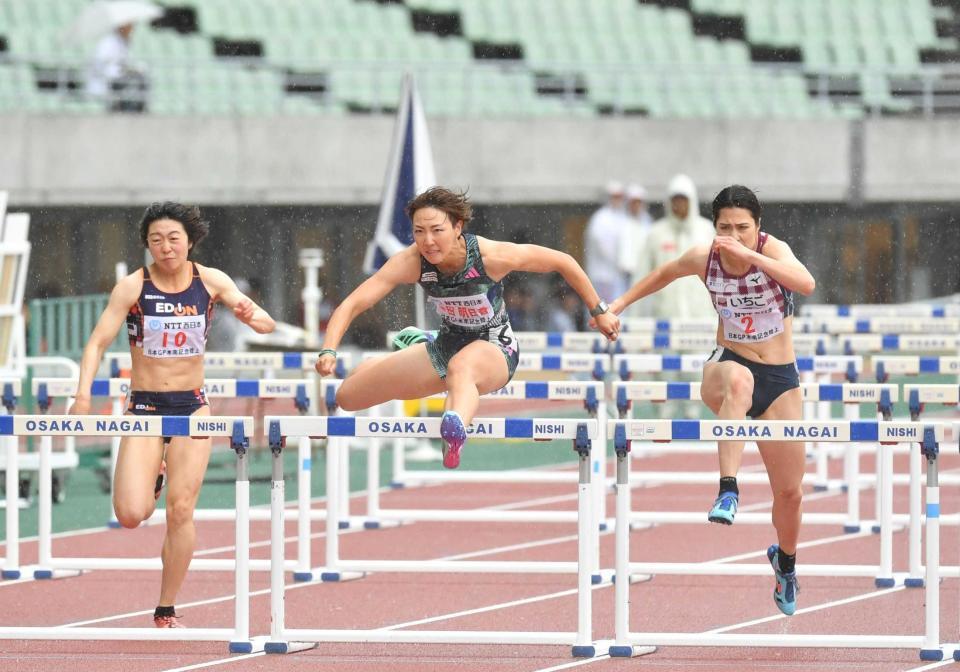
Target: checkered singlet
{"points": [[751, 306]]}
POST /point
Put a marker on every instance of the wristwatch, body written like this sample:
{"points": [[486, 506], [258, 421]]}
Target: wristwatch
{"points": [[599, 309]]}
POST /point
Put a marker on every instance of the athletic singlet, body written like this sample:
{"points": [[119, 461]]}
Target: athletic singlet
{"points": [[468, 300], [170, 324], [751, 306]]}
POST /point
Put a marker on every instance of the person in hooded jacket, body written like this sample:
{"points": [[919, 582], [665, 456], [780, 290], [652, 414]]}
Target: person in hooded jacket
{"points": [[681, 228]]}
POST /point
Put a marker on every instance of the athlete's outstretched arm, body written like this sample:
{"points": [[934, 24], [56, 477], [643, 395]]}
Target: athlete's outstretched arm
{"points": [[691, 262], [500, 258], [776, 260], [226, 292], [401, 268], [124, 294]]}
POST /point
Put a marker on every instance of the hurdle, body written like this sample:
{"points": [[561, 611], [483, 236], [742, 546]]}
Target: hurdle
{"points": [[811, 324], [918, 397], [850, 394], [597, 365], [867, 310], [265, 362], [627, 342], [499, 428], [582, 432], [626, 431], [47, 389], [238, 429], [10, 563]]}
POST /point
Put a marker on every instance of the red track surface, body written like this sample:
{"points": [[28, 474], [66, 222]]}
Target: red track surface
{"points": [[667, 603]]}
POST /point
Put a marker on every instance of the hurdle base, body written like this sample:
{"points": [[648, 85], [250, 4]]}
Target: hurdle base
{"points": [[374, 524], [337, 577], [884, 582], [303, 577], [288, 647], [634, 578], [934, 654], [875, 529], [45, 574], [617, 651], [397, 485], [10, 574], [584, 651], [851, 529], [114, 524], [640, 526], [913, 583], [252, 645]]}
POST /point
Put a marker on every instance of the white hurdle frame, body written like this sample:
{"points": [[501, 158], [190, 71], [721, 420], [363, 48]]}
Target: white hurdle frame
{"points": [[626, 431], [583, 432], [850, 394], [300, 391], [917, 396], [238, 428], [871, 310], [10, 563], [597, 365], [554, 390], [49, 566]]}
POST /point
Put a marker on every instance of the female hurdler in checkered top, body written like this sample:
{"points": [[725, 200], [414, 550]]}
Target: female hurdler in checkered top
{"points": [[751, 277], [475, 351], [166, 307]]}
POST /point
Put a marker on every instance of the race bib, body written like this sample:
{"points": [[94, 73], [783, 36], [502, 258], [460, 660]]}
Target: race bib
{"points": [[464, 311], [174, 336], [750, 318]]}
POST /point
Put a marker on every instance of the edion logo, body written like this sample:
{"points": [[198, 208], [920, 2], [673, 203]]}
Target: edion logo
{"points": [[174, 309]]}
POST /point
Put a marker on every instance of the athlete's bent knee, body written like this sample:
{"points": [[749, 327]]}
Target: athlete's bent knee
{"points": [[130, 517], [457, 369], [740, 388], [346, 399]]}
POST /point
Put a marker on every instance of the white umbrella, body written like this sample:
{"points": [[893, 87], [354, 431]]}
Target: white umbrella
{"points": [[102, 16]]}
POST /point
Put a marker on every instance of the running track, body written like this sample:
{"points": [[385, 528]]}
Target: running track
{"points": [[496, 601]]}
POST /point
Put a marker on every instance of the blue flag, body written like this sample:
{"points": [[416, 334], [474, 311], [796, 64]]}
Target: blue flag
{"points": [[409, 172]]}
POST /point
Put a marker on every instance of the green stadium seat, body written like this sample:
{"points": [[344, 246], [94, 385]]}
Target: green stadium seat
{"points": [[599, 40]]}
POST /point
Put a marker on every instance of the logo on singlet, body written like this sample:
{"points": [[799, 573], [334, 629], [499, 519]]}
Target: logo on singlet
{"points": [[154, 296], [429, 276], [755, 280]]}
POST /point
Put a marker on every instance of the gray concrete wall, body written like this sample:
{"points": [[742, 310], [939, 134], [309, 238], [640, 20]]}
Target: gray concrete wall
{"points": [[122, 160]]}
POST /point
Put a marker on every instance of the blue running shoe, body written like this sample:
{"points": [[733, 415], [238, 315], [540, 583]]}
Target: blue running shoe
{"points": [[724, 508], [786, 589], [454, 435], [411, 336]]}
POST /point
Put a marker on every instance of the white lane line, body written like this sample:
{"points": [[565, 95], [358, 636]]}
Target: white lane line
{"points": [[212, 663], [933, 666]]}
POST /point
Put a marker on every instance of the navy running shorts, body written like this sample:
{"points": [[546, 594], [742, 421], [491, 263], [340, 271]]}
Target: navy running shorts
{"points": [[769, 380], [167, 403]]}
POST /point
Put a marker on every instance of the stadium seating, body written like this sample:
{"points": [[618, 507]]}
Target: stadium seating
{"points": [[662, 58]]}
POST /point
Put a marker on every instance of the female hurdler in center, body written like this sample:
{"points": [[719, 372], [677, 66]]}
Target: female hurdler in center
{"points": [[475, 351]]}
